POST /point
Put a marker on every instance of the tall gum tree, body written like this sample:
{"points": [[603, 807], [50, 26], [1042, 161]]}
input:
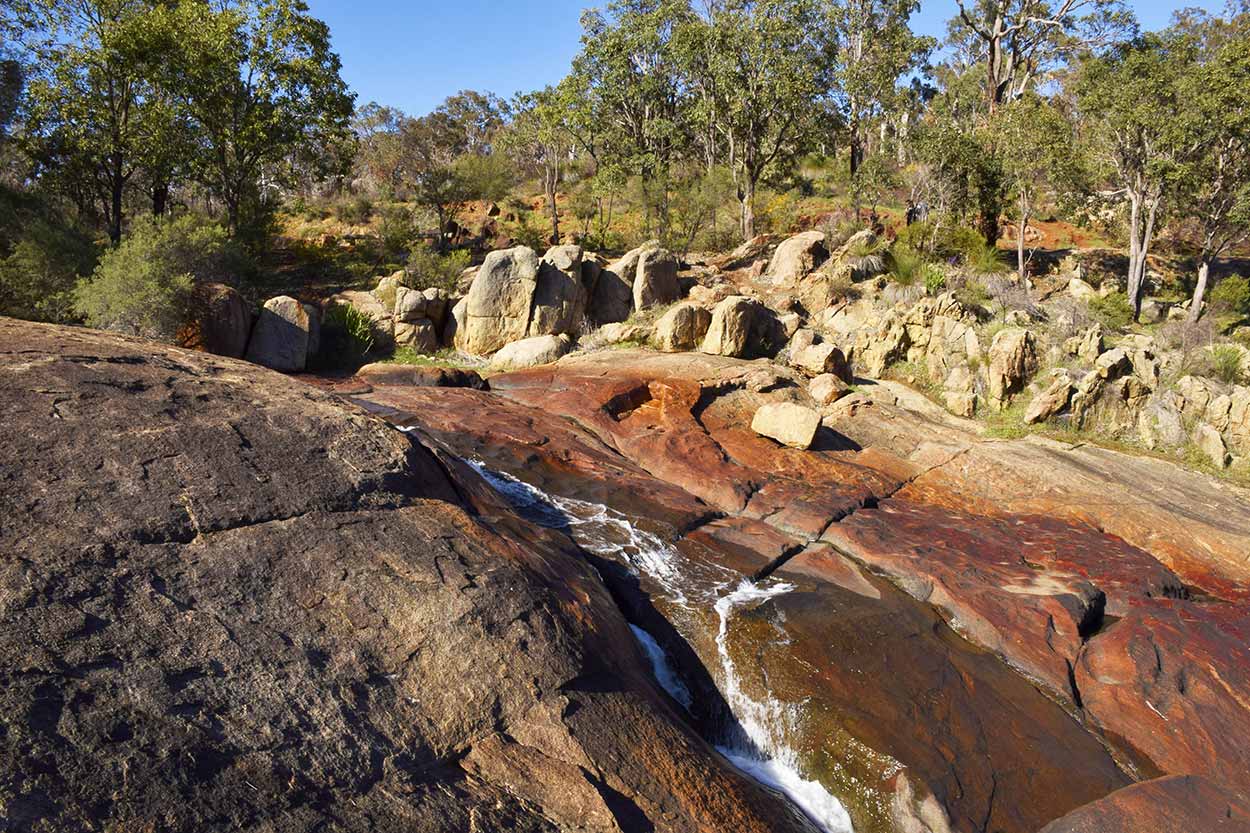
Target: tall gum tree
{"points": [[1036, 144], [260, 82], [763, 70], [1019, 40], [631, 97], [92, 105], [875, 48], [1213, 184], [1130, 98]]}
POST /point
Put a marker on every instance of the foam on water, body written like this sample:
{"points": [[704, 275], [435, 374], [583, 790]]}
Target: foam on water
{"points": [[763, 753], [664, 674], [758, 746], [594, 526]]}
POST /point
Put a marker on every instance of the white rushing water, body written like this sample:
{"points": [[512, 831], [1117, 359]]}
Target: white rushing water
{"points": [[766, 756], [664, 674], [757, 745]]}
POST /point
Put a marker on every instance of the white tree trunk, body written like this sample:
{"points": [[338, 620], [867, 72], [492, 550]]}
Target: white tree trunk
{"points": [[1200, 291]]}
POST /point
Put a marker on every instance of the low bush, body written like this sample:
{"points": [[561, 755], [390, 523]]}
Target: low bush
{"points": [[143, 287], [38, 275], [907, 266], [1232, 295], [346, 337], [427, 268], [355, 211], [1226, 364], [397, 231], [1113, 311], [984, 259]]}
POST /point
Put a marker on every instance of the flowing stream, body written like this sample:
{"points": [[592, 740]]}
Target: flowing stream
{"points": [[756, 743]]}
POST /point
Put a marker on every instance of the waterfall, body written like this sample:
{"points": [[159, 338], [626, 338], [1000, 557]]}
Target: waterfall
{"points": [[756, 744], [763, 753]]}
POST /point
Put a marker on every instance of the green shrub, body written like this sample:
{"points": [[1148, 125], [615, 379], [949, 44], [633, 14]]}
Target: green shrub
{"points": [[985, 259], [356, 211], [346, 336], [144, 286], [972, 293], [396, 230], [934, 279], [907, 266], [37, 277], [917, 237], [1226, 363], [1232, 294], [529, 230], [1113, 311], [427, 268]]}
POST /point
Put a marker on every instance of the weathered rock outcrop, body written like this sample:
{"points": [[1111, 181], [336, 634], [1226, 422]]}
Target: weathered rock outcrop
{"points": [[683, 327], [497, 309], [655, 282], [227, 602], [221, 321], [798, 256], [280, 339], [1178, 804], [1011, 566]]}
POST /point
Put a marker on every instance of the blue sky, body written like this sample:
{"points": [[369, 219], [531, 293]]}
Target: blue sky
{"points": [[412, 54]]}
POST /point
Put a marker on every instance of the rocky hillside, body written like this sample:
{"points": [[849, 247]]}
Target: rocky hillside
{"points": [[761, 542], [229, 602]]}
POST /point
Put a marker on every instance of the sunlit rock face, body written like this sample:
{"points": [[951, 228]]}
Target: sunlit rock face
{"points": [[229, 601]]}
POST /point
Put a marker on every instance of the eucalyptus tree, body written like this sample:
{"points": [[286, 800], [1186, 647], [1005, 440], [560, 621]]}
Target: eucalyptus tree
{"points": [[1213, 185], [1036, 144], [91, 102], [538, 138], [1018, 41], [875, 48], [631, 97], [1130, 98], [446, 157], [763, 70], [260, 82]]}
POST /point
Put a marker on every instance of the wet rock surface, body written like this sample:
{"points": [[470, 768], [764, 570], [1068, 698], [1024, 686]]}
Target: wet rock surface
{"points": [[975, 624], [230, 602]]}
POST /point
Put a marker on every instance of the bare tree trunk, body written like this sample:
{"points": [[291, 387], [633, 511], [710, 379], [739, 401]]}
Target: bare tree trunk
{"points": [[1134, 243], [160, 198], [1024, 224], [1200, 291], [115, 210], [1140, 283], [549, 181], [747, 195]]}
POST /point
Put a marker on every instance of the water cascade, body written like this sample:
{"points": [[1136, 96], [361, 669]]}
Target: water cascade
{"points": [[756, 743]]}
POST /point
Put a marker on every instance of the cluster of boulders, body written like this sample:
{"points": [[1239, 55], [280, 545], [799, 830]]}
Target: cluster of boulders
{"points": [[824, 311], [282, 335]]}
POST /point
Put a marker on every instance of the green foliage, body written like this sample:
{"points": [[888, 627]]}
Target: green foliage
{"points": [[972, 293], [41, 256], [397, 231], [354, 210], [1232, 295], [427, 268], [985, 260], [907, 266], [346, 336], [934, 279], [144, 286], [1113, 311], [1226, 364], [528, 230]]}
